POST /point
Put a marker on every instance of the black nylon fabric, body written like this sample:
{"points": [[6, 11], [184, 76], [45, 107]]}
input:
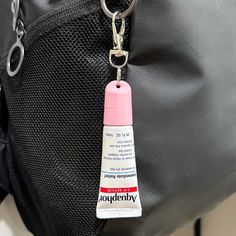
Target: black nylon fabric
{"points": [[182, 73], [55, 106], [183, 77], [4, 175]]}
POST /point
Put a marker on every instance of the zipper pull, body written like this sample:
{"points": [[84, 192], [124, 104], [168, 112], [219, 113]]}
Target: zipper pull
{"points": [[15, 7], [16, 53]]}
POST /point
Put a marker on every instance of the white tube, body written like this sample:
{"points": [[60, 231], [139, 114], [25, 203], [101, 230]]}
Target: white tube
{"points": [[118, 193]]}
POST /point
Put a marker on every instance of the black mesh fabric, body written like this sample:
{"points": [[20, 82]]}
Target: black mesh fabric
{"points": [[55, 106]]}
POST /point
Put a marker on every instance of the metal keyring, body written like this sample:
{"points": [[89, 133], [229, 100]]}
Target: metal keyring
{"points": [[19, 45], [121, 15]]}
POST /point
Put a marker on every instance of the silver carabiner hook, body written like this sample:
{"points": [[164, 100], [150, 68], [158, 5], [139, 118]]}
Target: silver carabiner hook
{"points": [[118, 40], [118, 37]]}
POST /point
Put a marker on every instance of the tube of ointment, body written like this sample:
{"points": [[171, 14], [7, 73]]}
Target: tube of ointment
{"points": [[118, 192]]}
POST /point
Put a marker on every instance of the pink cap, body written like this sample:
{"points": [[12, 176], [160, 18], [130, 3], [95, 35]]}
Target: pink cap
{"points": [[118, 104]]}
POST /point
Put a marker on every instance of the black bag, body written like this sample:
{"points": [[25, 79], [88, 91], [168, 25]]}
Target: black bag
{"points": [[182, 71]]}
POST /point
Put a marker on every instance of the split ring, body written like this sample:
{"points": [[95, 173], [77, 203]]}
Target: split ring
{"points": [[121, 15]]}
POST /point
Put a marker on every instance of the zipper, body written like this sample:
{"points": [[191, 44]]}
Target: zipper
{"points": [[68, 11], [43, 24]]}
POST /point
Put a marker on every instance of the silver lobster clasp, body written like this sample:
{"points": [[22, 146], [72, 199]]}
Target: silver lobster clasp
{"points": [[118, 39]]}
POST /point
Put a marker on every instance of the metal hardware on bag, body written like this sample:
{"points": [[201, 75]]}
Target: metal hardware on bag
{"points": [[118, 39], [121, 15], [118, 53], [19, 34], [19, 28], [15, 7]]}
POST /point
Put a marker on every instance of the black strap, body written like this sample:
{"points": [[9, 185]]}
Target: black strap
{"points": [[197, 227], [3, 194]]}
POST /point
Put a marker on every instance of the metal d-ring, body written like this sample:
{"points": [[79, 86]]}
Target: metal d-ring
{"points": [[121, 15], [19, 45]]}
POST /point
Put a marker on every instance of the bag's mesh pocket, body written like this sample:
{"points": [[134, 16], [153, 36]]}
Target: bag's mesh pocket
{"points": [[55, 106]]}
